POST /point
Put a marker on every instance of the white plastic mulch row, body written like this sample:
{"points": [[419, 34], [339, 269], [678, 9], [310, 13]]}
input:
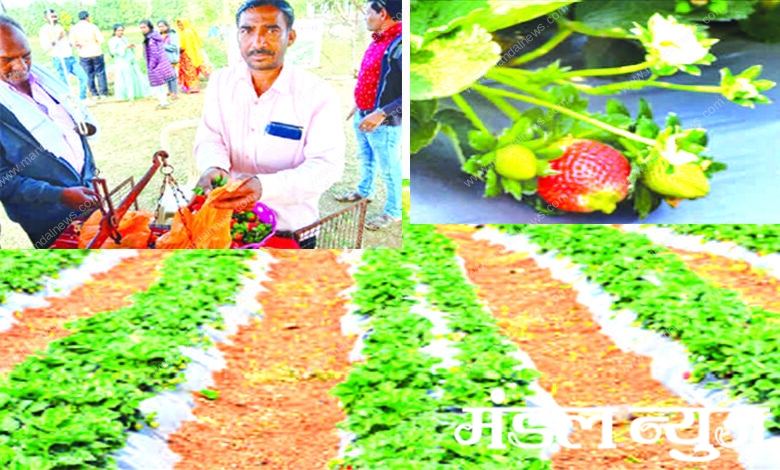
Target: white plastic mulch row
{"points": [[148, 448], [96, 262], [352, 324], [443, 348], [756, 448], [698, 244]]}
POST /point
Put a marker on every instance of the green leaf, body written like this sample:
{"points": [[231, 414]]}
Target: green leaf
{"points": [[645, 111], [481, 142], [451, 63], [683, 7], [456, 126], [492, 187], [550, 153], [530, 187], [543, 168], [513, 187], [615, 106], [423, 110], [210, 394], [647, 128], [422, 134], [505, 13], [431, 18], [609, 14]]}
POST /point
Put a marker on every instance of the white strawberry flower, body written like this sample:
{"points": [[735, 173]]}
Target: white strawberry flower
{"points": [[672, 46]]}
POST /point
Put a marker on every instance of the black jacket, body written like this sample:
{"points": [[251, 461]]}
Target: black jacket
{"points": [[389, 95], [32, 181]]}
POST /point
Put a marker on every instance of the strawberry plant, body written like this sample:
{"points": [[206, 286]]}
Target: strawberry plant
{"points": [[762, 239], [454, 49], [724, 337], [388, 398], [26, 270], [71, 405]]}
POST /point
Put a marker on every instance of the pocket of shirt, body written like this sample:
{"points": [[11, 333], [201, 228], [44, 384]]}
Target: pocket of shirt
{"points": [[279, 153]]}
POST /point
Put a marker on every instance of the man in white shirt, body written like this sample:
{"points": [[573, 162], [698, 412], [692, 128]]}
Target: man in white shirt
{"points": [[55, 42], [87, 38], [277, 127]]}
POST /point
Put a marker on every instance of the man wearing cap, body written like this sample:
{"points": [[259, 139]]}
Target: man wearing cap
{"points": [[54, 41], [46, 166], [377, 112], [88, 39], [273, 125]]}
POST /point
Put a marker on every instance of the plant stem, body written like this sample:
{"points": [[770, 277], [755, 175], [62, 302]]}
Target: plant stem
{"points": [[508, 77], [606, 72], [469, 112], [550, 45], [637, 85], [578, 27], [568, 112], [504, 106]]}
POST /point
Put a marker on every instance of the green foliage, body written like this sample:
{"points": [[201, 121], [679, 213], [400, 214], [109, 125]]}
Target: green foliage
{"points": [[725, 338], [390, 399], [763, 239], [27, 270], [72, 405]]}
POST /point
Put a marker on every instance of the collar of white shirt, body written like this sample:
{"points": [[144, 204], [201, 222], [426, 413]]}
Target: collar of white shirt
{"points": [[283, 83]]}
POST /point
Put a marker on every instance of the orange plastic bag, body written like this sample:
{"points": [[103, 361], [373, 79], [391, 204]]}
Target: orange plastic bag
{"points": [[134, 228], [208, 228]]}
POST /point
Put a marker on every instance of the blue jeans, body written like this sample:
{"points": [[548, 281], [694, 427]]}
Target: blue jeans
{"points": [[96, 69], [74, 69], [380, 148]]}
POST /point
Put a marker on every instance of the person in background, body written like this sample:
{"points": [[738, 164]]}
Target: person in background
{"points": [[377, 113], [275, 126], [192, 61], [158, 67], [87, 38], [171, 45], [129, 84], [55, 42], [46, 163]]}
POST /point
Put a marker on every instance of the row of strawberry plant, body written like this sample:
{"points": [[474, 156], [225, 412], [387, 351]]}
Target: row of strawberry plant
{"points": [[486, 355], [723, 336], [391, 399], [26, 270], [762, 239], [70, 406]]}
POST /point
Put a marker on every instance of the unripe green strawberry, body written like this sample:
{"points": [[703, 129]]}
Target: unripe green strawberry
{"points": [[687, 182], [515, 162]]}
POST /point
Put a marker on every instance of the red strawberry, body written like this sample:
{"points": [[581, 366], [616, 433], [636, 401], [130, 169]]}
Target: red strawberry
{"points": [[235, 245], [592, 177], [238, 237]]}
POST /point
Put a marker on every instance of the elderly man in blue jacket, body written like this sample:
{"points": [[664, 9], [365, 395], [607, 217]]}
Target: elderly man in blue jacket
{"points": [[46, 165]]}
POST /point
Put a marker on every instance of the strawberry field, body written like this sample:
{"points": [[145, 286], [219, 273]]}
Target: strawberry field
{"points": [[366, 360]]}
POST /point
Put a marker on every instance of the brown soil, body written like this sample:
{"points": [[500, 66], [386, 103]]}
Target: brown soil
{"points": [[37, 327], [274, 410], [580, 366]]}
